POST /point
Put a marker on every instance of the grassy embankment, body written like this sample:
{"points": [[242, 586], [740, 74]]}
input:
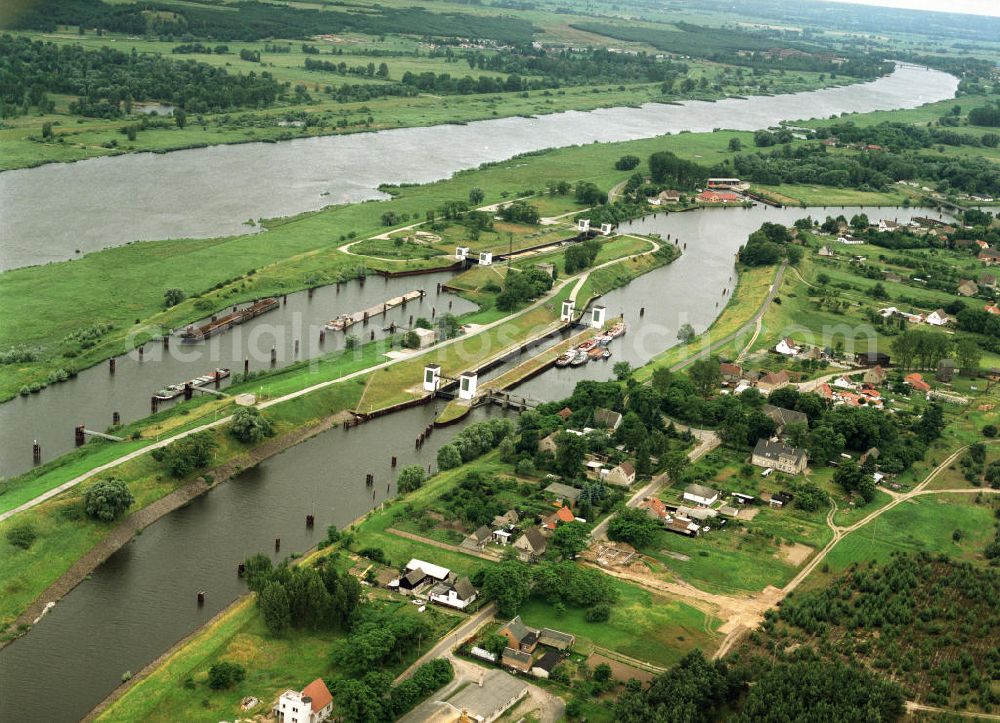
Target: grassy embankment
{"points": [[44, 305]]}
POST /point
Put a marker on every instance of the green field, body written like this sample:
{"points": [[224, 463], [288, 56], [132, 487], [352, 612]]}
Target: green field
{"points": [[643, 626]]}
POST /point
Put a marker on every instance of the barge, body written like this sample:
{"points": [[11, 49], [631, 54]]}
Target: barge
{"points": [[175, 390], [224, 323]]}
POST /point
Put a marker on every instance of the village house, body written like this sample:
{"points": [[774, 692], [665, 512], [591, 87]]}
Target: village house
{"points": [[622, 475], [313, 704], [664, 197], [938, 317], [560, 516], [700, 494], [967, 287], [516, 660], [531, 545], [916, 381], [519, 636], [779, 456], [607, 419], [564, 493], [826, 251], [459, 594], [719, 197], [875, 376], [548, 444], [788, 347], [730, 372], [773, 380], [682, 526], [655, 508], [419, 572], [988, 281], [783, 417], [478, 539], [990, 257], [543, 667], [871, 359], [510, 517]]}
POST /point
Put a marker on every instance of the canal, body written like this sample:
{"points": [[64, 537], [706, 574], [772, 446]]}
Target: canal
{"points": [[92, 397], [213, 191], [143, 598]]}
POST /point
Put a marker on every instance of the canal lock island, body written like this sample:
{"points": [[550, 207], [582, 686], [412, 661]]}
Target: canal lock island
{"points": [[442, 362]]}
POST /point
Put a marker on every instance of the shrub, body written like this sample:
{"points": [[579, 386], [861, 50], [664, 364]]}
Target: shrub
{"points": [[410, 478], [250, 426], [626, 163], [107, 499], [22, 535], [599, 613], [225, 675]]}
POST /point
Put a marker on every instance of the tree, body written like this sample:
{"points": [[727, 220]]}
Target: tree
{"points": [[706, 376], [626, 163], [180, 117], [675, 463], [685, 334], [570, 450], [508, 584], [969, 354], [172, 297], [622, 370], [476, 196], [570, 539], [411, 477], [448, 457], [735, 144], [275, 607], [188, 454], [633, 526], [250, 426], [225, 675], [106, 499]]}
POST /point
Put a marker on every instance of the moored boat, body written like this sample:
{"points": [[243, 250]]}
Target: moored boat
{"points": [[175, 390], [587, 345], [579, 357], [616, 330], [565, 359]]}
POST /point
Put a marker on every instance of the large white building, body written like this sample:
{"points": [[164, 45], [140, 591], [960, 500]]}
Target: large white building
{"points": [[313, 704]]}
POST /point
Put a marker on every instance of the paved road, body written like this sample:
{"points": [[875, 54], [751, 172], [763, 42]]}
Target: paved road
{"points": [[707, 441], [452, 640]]}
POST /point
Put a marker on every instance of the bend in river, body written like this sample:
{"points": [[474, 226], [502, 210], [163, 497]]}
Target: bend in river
{"points": [[212, 191]]}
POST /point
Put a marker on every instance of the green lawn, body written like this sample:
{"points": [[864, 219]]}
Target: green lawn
{"points": [[644, 626]]}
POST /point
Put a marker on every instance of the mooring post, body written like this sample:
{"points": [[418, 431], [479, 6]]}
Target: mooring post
{"points": [[142, 350], [79, 436], [373, 335], [322, 336], [434, 311], [284, 298], [241, 569], [153, 401], [393, 460], [449, 305], [116, 418], [296, 347], [274, 355], [111, 365], [218, 378], [312, 290], [439, 287], [188, 391], [36, 453], [310, 520], [642, 311], [277, 544], [166, 341], [411, 321], [201, 598], [246, 366]]}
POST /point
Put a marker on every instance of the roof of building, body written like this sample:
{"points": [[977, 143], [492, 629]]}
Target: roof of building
{"points": [[415, 576], [497, 692], [732, 370], [565, 413], [516, 655], [566, 491], [555, 638], [565, 514], [655, 507], [783, 416], [535, 539], [606, 418], [510, 517], [519, 631], [318, 693], [776, 450], [435, 571], [917, 382], [701, 491], [779, 377], [548, 661], [627, 468], [464, 588]]}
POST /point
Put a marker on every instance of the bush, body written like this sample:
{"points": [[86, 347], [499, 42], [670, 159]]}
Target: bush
{"points": [[188, 454], [410, 478], [106, 499], [599, 613], [22, 535], [250, 426], [172, 297], [990, 431], [225, 675], [448, 457], [626, 163], [375, 554]]}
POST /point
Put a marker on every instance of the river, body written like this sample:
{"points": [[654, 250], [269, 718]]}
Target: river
{"points": [[54, 212], [143, 598]]}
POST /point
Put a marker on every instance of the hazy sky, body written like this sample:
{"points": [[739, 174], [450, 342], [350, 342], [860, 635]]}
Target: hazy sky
{"points": [[975, 7]]}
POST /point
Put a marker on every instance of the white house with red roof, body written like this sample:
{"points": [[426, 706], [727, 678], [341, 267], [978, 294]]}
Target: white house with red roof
{"points": [[313, 704]]}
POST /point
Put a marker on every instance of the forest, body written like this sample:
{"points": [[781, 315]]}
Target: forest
{"points": [[108, 81], [742, 48], [258, 20], [927, 622]]}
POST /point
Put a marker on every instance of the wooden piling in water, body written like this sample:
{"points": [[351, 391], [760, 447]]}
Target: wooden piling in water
{"points": [[393, 462], [246, 366], [188, 391], [116, 418], [310, 521], [201, 598], [153, 402], [78, 436], [142, 350], [111, 365], [241, 569], [277, 544], [36, 453], [274, 355]]}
